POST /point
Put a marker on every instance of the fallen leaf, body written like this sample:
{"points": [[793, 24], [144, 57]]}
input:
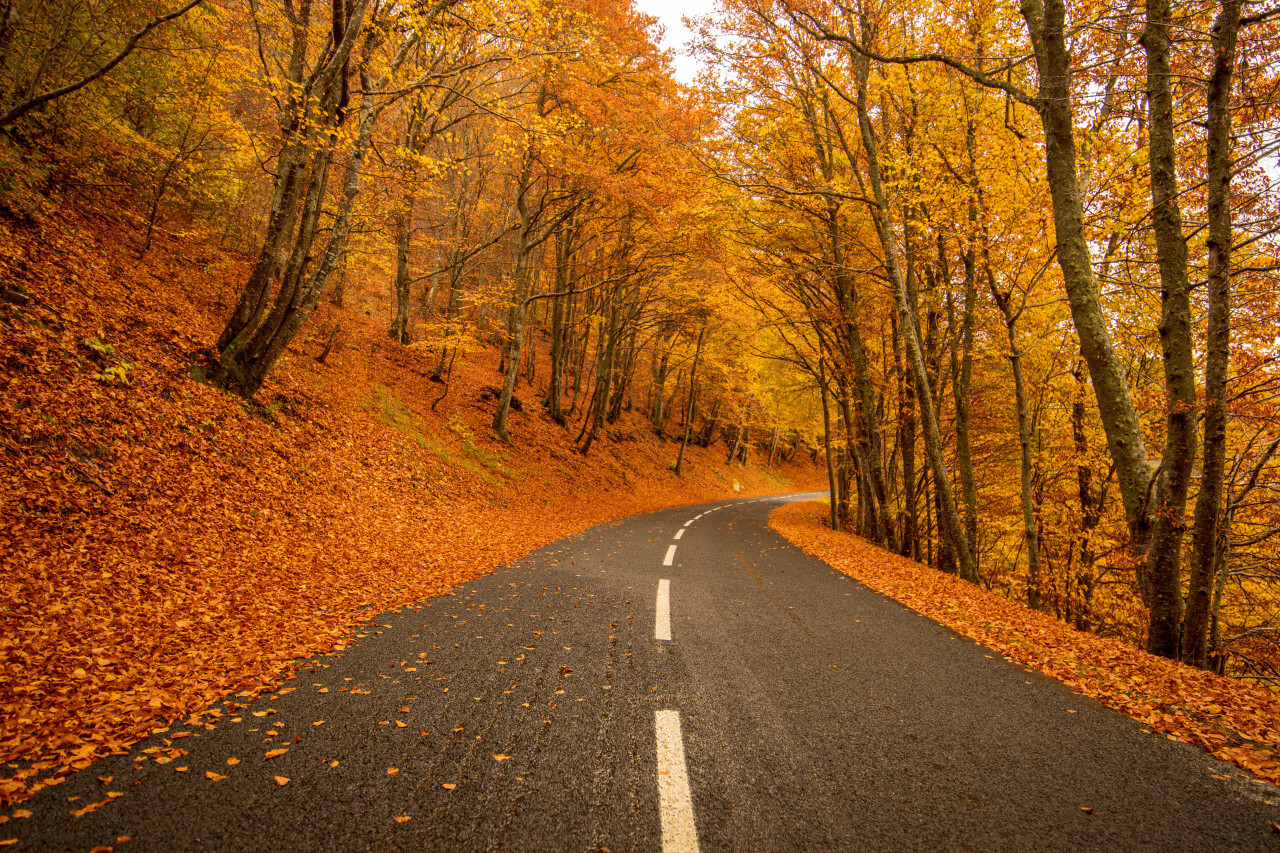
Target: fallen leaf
{"points": [[318, 723], [233, 761], [209, 774], [22, 812], [275, 753], [402, 818], [180, 770], [333, 763], [1086, 810], [282, 780], [391, 771], [501, 757], [400, 724], [448, 786], [89, 808]]}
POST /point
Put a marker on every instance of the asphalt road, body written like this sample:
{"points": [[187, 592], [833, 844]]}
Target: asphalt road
{"points": [[535, 709]]}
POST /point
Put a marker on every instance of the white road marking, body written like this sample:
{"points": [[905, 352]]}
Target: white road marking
{"points": [[679, 533], [690, 521], [662, 612], [675, 802], [671, 555]]}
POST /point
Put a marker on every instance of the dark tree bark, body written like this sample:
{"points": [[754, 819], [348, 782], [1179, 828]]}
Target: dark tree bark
{"points": [[1164, 558], [693, 389], [1206, 538]]}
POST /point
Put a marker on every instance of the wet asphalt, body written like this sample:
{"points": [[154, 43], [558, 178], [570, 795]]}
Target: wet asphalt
{"points": [[518, 714]]}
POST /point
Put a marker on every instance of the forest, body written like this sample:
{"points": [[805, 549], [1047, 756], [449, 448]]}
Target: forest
{"points": [[1010, 271]]}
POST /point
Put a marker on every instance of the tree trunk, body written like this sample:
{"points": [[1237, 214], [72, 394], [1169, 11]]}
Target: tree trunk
{"points": [[1046, 24], [1218, 345], [693, 386], [733, 451], [826, 444], [1164, 557], [950, 525]]}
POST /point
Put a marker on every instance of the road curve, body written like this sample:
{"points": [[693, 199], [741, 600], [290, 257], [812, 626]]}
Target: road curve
{"points": [[682, 680]]}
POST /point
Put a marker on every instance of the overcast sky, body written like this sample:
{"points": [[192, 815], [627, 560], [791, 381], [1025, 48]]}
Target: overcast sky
{"points": [[677, 38]]}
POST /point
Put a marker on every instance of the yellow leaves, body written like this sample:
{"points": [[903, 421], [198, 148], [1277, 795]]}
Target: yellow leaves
{"points": [[216, 777], [501, 757], [391, 771], [233, 761], [275, 753], [281, 780], [448, 786], [402, 818]]}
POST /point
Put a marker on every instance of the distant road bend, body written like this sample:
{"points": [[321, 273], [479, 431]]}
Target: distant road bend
{"points": [[682, 680]]}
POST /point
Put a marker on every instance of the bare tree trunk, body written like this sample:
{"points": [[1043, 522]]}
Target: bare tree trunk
{"points": [[1218, 346], [1046, 24], [693, 386], [826, 444], [1164, 558], [737, 442]]}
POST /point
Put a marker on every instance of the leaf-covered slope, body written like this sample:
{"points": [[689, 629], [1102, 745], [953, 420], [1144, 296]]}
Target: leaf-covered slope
{"points": [[162, 544]]}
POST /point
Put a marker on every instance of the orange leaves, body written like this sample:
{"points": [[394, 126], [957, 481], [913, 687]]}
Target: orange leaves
{"points": [[177, 547], [282, 780], [274, 753], [216, 777]]}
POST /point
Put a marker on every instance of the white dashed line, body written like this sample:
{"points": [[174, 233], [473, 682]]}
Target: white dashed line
{"points": [[675, 802], [671, 555], [662, 612], [690, 521], [679, 533]]}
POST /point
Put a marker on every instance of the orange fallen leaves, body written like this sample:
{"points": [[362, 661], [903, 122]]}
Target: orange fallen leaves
{"points": [[274, 753], [1234, 721], [282, 780], [141, 523]]}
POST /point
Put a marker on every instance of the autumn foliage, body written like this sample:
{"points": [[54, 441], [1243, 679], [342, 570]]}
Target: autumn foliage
{"points": [[164, 544]]}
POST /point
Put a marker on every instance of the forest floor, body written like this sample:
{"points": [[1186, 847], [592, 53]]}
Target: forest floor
{"points": [[163, 544], [1235, 721]]}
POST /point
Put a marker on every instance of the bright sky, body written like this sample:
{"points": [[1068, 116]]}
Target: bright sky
{"points": [[677, 38]]}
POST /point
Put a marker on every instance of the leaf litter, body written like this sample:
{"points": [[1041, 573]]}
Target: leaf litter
{"points": [[164, 545]]}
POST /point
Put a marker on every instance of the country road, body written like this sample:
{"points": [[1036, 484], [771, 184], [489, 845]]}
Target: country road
{"points": [[679, 680]]}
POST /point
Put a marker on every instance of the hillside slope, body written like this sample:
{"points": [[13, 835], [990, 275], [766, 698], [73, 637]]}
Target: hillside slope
{"points": [[163, 544]]}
